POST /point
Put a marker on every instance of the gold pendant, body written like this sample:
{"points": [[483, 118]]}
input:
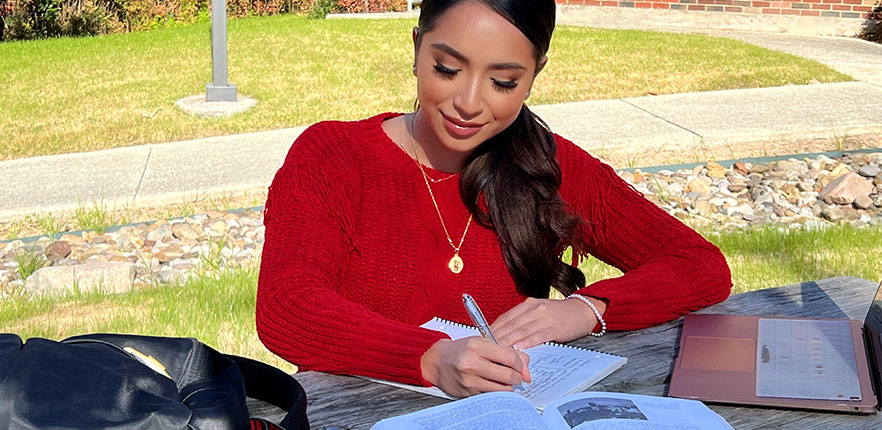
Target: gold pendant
{"points": [[455, 264]]}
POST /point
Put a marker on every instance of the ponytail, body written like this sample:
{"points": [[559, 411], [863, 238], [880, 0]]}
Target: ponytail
{"points": [[517, 174]]}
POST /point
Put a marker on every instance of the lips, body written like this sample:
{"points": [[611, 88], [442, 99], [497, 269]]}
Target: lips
{"points": [[460, 129]]}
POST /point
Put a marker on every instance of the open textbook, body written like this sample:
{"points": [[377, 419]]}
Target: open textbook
{"points": [[557, 369], [504, 410]]}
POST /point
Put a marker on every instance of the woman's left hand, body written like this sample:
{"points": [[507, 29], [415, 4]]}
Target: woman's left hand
{"points": [[541, 320]]}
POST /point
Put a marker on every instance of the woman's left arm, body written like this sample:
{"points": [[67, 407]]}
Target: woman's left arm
{"points": [[668, 269]]}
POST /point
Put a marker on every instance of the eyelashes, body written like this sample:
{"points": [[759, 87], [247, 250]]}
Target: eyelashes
{"points": [[501, 86], [505, 86], [445, 71]]}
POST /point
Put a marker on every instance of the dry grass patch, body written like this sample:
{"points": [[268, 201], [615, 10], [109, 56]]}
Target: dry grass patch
{"points": [[216, 308], [67, 319]]}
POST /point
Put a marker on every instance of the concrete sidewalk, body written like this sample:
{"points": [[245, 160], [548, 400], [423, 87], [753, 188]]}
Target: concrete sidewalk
{"points": [[170, 172]]}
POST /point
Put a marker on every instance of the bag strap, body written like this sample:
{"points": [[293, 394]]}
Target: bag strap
{"points": [[271, 385]]}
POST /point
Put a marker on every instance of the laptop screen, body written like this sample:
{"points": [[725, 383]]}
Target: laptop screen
{"points": [[873, 330]]}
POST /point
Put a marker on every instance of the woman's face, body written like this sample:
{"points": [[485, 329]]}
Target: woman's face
{"points": [[474, 70]]}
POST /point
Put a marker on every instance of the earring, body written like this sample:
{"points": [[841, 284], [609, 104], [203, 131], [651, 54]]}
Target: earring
{"points": [[528, 94], [414, 66]]}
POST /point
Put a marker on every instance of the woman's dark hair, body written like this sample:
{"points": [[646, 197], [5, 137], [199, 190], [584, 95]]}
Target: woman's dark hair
{"points": [[517, 173]]}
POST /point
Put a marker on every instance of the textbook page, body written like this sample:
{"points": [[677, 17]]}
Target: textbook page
{"points": [[618, 411], [500, 410]]}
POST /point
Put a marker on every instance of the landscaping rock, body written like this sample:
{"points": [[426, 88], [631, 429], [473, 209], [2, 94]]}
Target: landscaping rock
{"points": [[699, 185], [183, 231], [737, 187], [58, 250], [832, 213], [789, 193], [839, 170], [863, 202], [158, 231], [218, 226], [869, 171], [110, 277], [845, 189], [759, 168], [715, 170]]}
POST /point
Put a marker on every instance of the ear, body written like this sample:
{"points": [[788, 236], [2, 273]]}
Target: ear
{"points": [[542, 64], [416, 46], [416, 40]]}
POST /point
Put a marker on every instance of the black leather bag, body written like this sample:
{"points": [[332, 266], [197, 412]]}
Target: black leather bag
{"points": [[114, 381]]}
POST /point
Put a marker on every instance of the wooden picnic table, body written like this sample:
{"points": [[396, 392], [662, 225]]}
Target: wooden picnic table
{"points": [[352, 403]]}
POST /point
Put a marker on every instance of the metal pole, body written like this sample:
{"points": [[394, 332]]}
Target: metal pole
{"points": [[219, 90]]}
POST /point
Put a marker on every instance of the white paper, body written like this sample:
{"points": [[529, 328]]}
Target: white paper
{"points": [[557, 370], [601, 410], [489, 411]]}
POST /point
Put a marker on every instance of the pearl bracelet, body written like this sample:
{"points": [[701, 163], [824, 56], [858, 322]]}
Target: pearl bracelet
{"points": [[596, 313]]}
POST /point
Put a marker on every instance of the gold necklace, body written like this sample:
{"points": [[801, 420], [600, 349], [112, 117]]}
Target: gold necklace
{"points": [[435, 181], [455, 264]]}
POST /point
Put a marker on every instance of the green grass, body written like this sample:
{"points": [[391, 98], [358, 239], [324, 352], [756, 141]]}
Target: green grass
{"points": [[29, 261], [48, 224], [94, 217], [767, 257], [81, 94], [218, 307]]}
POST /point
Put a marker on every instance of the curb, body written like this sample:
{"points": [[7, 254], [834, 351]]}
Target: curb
{"points": [[755, 160]]}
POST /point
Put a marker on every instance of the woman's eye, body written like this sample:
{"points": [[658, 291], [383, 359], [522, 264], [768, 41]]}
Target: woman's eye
{"points": [[504, 86], [445, 70]]}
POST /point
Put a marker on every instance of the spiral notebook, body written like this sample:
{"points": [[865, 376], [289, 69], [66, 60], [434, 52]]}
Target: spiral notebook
{"points": [[557, 369]]}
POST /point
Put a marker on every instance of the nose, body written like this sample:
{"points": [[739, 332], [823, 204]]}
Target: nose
{"points": [[468, 101]]}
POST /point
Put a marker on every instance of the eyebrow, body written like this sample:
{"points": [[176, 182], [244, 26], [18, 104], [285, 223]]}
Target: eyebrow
{"points": [[459, 56]]}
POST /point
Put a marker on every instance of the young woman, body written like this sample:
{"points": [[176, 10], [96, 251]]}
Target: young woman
{"points": [[376, 226]]}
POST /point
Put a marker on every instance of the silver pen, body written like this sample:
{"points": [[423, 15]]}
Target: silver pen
{"points": [[481, 323], [477, 317]]}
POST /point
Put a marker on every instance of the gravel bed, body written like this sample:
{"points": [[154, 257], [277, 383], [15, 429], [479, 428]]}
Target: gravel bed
{"points": [[806, 193]]}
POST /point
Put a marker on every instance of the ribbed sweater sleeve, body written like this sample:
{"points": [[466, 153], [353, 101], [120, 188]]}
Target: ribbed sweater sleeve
{"points": [[300, 316], [668, 269]]}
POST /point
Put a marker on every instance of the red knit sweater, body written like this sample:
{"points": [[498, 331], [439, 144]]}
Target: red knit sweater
{"points": [[355, 258]]}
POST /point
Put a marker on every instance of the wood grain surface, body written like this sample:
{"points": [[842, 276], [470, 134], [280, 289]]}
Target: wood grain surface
{"points": [[352, 403]]}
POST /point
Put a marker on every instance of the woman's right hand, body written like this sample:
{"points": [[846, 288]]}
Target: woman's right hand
{"points": [[474, 365]]}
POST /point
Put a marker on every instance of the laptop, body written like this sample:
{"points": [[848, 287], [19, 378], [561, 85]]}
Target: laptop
{"points": [[807, 363]]}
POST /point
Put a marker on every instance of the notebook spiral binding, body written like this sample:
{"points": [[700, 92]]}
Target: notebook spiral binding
{"points": [[555, 344]]}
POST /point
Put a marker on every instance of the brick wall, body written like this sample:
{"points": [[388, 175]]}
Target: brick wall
{"points": [[825, 8]]}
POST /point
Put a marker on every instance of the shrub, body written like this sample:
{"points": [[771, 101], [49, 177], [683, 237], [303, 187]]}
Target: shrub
{"points": [[90, 21], [30, 19], [353, 6], [872, 27], [321, 8]]}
